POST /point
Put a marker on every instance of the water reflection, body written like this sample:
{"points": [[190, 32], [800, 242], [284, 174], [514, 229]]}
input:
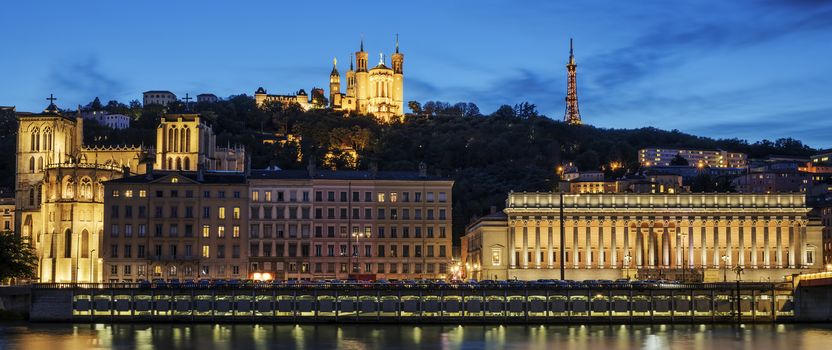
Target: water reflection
{"points": [[433, 337]]}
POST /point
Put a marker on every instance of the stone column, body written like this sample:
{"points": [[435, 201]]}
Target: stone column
{"points": [[679, 249], [729, 244], [575, 262], [512, 257], [791, 245], [741, 257], [766, 244], [537, 261], [690, 252], [665, 245], [626, 250], [717, 255], [550, 247], [754, 243], [639, 245], [588, 244], [651, 245], [613, 245], [601, 257], [779, 234], [802, 232], [524, 258], [704, 240]]}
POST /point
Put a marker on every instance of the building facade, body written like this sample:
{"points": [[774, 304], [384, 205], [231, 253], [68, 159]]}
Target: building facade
{"points": [[175, 225], [650, 236], [158, 97], [773, 182], [698, 158], [59, 185], [112, 121], [186, 142], [58, 193], [206, 98], [301, 98], [320, 224]]}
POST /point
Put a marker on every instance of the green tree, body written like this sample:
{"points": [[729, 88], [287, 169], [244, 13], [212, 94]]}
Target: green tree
{"points": [[17, 256]]}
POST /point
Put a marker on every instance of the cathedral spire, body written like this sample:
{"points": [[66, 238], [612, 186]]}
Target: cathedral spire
{"points": [[351, 61], [397, 42], [362, 43], [572, 115]]}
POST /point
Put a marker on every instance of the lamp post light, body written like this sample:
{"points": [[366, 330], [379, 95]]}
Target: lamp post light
{"points": [[725, 268], [627, 259], [356, 252]]}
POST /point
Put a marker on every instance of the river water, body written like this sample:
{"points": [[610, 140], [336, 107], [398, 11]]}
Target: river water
{"points": [[391, 336]]}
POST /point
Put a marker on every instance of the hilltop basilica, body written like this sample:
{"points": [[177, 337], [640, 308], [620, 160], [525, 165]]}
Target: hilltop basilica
{"points": [[59, 187], [376, 91]]}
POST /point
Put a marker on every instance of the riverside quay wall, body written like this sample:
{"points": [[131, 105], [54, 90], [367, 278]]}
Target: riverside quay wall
{"points": [[627, 303]]}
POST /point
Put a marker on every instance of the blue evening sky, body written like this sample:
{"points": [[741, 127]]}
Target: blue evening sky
{"points": [[751, 69]]}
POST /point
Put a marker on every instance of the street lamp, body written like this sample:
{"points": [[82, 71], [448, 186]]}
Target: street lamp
{"points": [[355, 253], [627, 259], [725, 268]]}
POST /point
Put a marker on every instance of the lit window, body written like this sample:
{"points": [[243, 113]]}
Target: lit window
{"points": [[174, 180], [381, 197], [142, 193], [222, 213], [206, 231], [236, 212], [235, 231], [128, 193], [115, 193], [221, 231], [496, 255], [393, 197], [206, 251]]}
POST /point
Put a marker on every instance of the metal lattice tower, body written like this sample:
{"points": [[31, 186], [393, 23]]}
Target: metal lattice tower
{"points": [[573, 114]]}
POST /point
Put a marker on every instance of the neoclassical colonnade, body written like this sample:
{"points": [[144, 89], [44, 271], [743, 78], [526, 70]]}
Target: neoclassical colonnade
{"points": [[662, 231], [658, 242]]}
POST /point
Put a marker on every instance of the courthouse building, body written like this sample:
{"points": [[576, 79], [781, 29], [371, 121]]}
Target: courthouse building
{"points": [[680, 236]]}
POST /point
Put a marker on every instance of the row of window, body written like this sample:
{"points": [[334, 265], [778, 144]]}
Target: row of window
{"points": [[404, 268], [173, 252], [173, 212], [380, 197], [173, 230], [331, 250], [170, 270], [171, 193], [280, 231], [343, 213]]}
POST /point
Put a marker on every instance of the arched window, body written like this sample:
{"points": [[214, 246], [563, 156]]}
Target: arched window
{"points": [[40, 194], [187, 163], [69, 188], [40, 163], [53, 253], [86, 188], [32, 165], [47, 139], [32, 196], [170, 140], [187, 140], [67, 243], [170, 163], [85, 244], [182, 140], [35, 139], [178, 163]]}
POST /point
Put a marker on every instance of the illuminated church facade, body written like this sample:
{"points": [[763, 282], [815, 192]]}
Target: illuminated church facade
{"points": [[59, 186]]}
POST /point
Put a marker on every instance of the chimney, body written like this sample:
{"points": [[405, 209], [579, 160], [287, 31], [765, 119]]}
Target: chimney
{"points": [[310, 167], [200, 173], [423, 169], [149, 171]]}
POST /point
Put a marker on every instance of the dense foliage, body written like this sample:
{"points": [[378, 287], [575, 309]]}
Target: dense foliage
{"points": [[512, 149], [17, 256]]}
